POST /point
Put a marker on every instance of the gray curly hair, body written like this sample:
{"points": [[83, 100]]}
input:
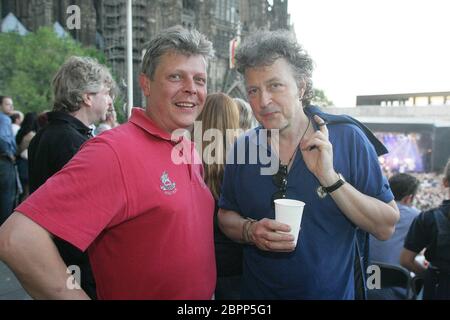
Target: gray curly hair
{"points": [[78, 76], [175, 39], [264, 47]]}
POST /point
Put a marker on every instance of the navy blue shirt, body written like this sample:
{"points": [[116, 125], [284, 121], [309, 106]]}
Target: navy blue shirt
{"points": [[7, 140], [321, 267]]}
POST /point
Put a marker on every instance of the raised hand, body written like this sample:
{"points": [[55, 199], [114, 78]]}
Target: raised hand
{"points": [[317, 152]]}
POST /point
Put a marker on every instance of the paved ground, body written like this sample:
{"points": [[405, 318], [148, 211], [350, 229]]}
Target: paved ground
{"points": [[10, 288]]}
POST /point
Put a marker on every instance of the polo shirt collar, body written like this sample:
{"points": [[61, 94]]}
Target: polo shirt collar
{"points": [[143, 121], [55, 116]]}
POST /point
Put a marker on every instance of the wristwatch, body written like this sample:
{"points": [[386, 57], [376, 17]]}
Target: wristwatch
{"points": [[323, 191]]}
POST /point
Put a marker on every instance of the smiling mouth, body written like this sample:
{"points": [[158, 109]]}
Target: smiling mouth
{"points": [[187, 105], [268, 114]]}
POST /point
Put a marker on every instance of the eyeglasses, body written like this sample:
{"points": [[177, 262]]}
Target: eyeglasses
{"points": [[279, 179]]}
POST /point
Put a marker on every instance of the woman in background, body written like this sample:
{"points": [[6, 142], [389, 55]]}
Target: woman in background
{"points": [[221, 113], [247, 120]]}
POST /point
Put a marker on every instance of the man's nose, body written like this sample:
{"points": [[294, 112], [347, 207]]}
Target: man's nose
{"points": [[189, 86], [265, 98]]}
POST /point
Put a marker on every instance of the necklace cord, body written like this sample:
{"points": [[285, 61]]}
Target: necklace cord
{"points": [[303, 135]]}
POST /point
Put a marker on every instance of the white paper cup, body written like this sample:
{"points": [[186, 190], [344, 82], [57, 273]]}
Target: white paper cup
{"points": [[290, 212]]}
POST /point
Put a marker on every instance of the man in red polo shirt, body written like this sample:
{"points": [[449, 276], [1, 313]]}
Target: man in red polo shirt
{"points": [[145, 219]]}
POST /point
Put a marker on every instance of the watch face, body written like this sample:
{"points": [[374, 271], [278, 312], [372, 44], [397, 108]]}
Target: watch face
{"points": [[321, 193]]}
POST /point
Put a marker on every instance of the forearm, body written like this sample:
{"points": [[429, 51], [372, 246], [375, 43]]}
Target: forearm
{"points": [[368, 213], [416, 267], [408, 260], [265, 234], [232, 224], [35, 260]]}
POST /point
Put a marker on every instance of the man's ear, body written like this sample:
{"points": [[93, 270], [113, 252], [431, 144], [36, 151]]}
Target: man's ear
{"points": [[406, 199], [410, 198], [87, 99], [302, 93], [144, 82], [301, 89], [445, 182]]}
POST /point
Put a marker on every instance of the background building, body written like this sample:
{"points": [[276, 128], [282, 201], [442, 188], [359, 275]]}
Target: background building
{"points": [[103, 24], [415, 99]]}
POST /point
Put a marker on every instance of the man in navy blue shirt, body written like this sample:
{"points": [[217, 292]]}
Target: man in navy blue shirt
{"points": [[332, 168], [8, 188]]}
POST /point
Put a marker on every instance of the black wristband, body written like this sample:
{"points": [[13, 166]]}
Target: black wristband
{"points": [[323, 191]]}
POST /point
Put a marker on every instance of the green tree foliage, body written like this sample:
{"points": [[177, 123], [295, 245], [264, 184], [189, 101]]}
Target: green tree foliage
{"points": [[320, 99], [28, 64]]}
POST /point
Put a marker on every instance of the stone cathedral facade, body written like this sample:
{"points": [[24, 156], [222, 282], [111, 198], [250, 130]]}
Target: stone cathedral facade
{"points": [[103, 24]]}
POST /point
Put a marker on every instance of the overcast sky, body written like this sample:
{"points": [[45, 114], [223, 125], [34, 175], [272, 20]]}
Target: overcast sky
{"points": [[375, 46]]}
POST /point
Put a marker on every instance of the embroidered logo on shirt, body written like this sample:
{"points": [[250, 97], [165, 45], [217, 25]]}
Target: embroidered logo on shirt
{"points": [[167, 185]]}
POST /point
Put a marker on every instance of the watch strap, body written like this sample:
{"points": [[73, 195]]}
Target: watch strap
{"points": [[323, 191], [335, 185]]}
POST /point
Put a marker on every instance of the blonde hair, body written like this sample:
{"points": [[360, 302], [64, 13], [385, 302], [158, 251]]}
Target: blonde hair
{"points": [[447, 177], [246, 118], [222, 113], [175, 39], [447, 171]]}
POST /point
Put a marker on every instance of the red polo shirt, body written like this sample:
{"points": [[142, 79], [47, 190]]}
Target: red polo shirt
{"points": [[146, 220]]}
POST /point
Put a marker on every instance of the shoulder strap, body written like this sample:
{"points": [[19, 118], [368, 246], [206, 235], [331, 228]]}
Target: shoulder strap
{"points": [[311, 111]]}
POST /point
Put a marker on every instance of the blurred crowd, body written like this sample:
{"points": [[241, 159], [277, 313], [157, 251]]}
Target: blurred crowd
{"points": [[431, 192]]}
